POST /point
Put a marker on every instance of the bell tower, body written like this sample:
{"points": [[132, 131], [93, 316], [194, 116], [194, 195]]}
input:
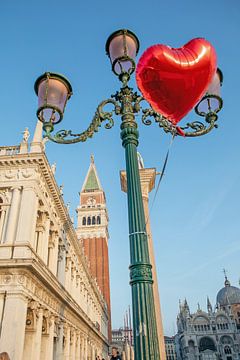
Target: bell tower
{"points": [[92, 231]]}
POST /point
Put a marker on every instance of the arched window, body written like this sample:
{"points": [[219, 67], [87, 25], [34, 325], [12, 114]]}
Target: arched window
{"points": [[84, 221], [206, 343], [227, 350], [191, 347], [98, 220], [89, 220], [93, 220]]}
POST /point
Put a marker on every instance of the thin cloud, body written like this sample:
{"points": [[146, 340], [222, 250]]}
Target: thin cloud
{"points": [[206, 210], [232, 248]]}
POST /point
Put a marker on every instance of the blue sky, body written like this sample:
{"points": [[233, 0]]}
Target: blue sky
{"points": [[195, 219]]}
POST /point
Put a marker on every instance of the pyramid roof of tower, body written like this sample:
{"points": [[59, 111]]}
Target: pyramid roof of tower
{"points": [[92, 181]]}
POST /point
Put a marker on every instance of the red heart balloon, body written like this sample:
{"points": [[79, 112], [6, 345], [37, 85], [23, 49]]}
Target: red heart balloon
{"points": [[174, 80]]}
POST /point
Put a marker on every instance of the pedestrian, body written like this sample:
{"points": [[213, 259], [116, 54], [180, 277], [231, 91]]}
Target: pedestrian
{"points": [[115, 354], [4, 356]]}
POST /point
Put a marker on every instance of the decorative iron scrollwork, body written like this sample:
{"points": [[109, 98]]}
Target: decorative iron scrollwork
{"points": [[68, 137], [126, 103], [200, 128], [160, 119]]}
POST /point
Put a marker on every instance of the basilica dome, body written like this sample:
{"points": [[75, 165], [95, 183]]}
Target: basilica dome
{"points": [[228, 295]]}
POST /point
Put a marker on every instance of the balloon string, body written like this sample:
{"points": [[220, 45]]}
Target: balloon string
{"points": [[161, 177]]}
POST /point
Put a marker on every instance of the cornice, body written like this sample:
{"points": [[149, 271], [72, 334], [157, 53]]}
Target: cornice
{"points": [[147, 178]]}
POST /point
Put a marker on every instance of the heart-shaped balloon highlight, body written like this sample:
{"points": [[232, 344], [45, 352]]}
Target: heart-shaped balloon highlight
{"points": [[174, 80]]}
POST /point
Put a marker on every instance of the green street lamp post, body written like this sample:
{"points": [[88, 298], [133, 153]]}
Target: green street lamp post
{"points": [[53, 92]]}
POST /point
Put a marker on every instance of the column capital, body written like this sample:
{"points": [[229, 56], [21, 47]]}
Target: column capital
{"points": [[147, 180], [52, 319], [17, 295], [33, 305], [45, 215], [66, 326], [29, 187], [16, 187], [40, 311], [46, 313]]}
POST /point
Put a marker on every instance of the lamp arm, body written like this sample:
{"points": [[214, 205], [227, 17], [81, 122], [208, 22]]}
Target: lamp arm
{"points": [[160, 119], [198, 128], [68, 137]]}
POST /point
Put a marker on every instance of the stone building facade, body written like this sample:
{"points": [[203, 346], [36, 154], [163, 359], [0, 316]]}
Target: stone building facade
{"points": [[213, 334], [50, 305], [170, 347], [122, 340]]}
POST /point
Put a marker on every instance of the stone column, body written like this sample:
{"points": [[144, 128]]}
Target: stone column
{"points": [[53, 252], [13, 325], [77, 289], [78, 344], [73, 346], [59, 351], [39, 241], [4, 209], [147, 179], [27, 224], [67, 344], [73, 282], [50, 338], [50, 253], [61, 264], [38, 335], [85, 349], [46, 224], [93, 351], [43, 237], [13, 216], [2, 306], [68, 276], [81, 347]]}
